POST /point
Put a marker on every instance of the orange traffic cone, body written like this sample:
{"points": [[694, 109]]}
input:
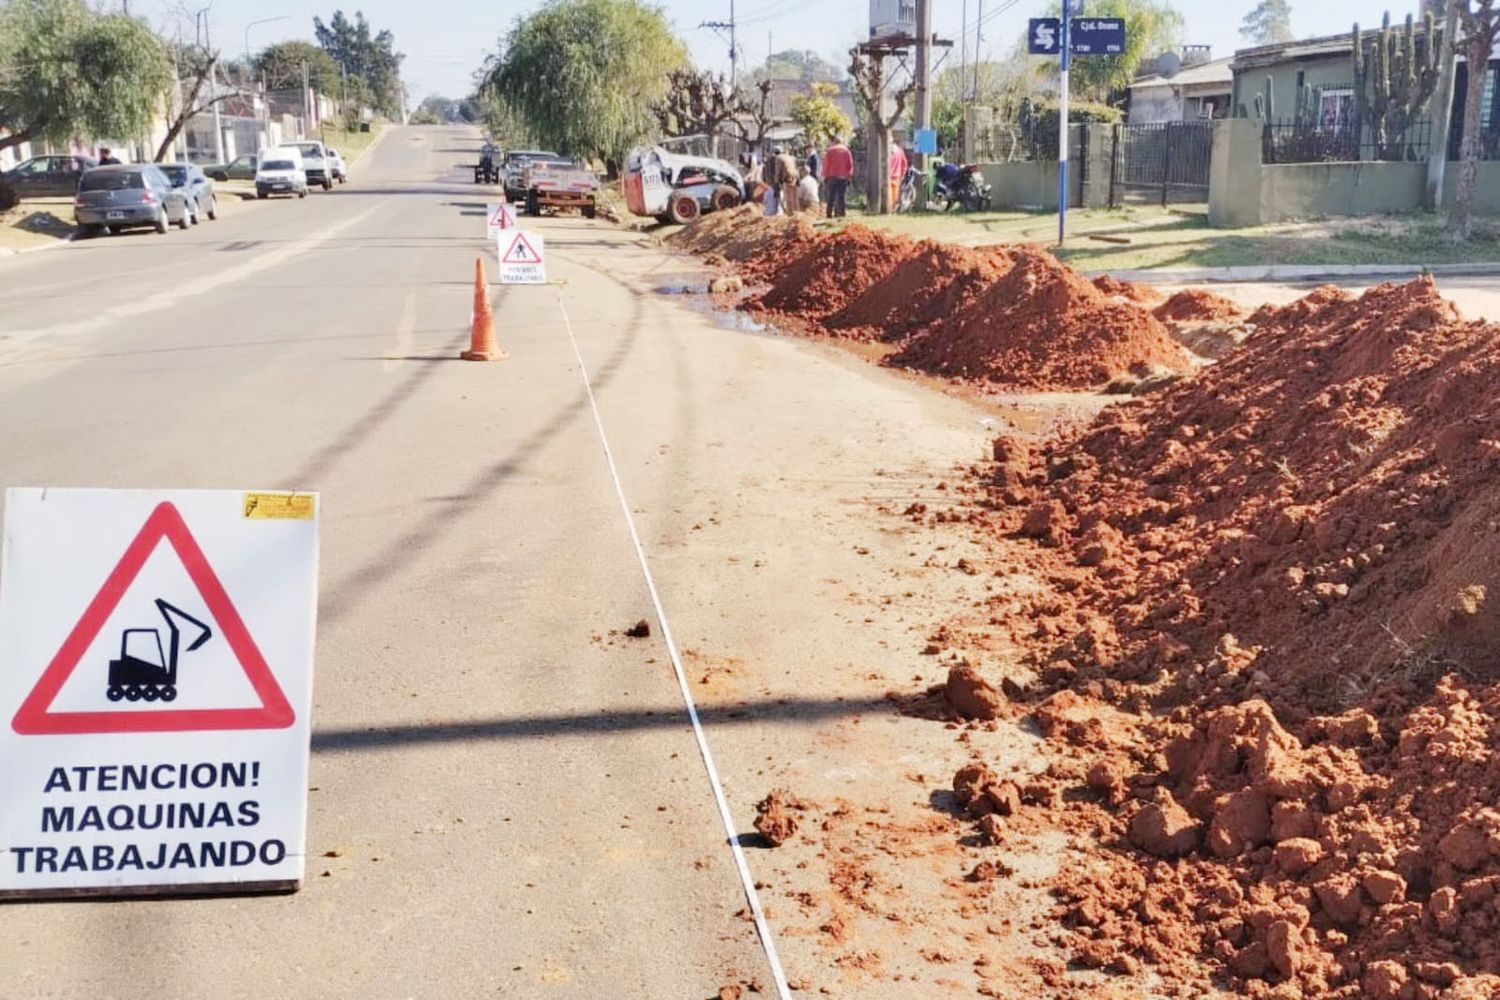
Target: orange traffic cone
{"points": [[482, 343]]}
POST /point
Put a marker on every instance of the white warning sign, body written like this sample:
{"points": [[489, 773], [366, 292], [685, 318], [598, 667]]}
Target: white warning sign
{"points": [[155, 698], [499, 216], [522, 258]]}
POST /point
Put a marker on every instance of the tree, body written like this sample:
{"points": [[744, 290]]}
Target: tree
{"points": [[280, 65], [584, 75], [870, 83], [1395, 76], [1151, 27], [1481, 26], [802, 65], [436, 109], [361, 56], [697, 102], [188, 98], [1269, 23], [819, 118], [67, 71]]}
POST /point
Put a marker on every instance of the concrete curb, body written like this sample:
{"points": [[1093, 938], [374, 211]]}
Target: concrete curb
{"points": [[1296, 273]]}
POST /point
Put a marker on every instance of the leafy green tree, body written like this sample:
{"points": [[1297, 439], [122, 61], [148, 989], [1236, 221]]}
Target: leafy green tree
{"points": [[1151, 27], [1269, 23], [819, 118], [280, 65], [363, 56], [584, 75], [803, 65], [67, 71]]}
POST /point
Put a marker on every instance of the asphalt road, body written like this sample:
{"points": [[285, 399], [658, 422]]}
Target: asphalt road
{"points": [[506, 797]]}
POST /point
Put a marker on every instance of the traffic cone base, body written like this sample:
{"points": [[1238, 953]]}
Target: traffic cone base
{"points": [[483, 345]]}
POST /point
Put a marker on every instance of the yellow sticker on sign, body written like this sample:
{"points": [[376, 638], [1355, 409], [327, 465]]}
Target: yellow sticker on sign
{"points": [[279, 506]]}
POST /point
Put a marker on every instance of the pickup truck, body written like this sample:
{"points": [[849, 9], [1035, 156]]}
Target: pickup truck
{"points": [[550, 184]]}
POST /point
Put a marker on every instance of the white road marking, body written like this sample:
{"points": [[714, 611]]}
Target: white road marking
{"points": [[768, 943], [176, 293], [395, 358]]}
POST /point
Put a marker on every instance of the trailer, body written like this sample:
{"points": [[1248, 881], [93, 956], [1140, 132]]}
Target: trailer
{"points": [[560, 188], [142, 671]]}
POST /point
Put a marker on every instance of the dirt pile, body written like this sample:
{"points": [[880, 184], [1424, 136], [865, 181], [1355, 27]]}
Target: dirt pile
{"points": [[1194, 305], [1141, 295], [935, 281], [829, 272], [1042, 326], [755, 244], [1288, 560]]}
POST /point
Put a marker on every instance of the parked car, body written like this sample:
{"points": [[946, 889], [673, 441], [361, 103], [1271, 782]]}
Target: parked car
{"points": [[314, 162], [241, 168], [340, 172], [281, 172], [195, 184], [514, 165], [126, 196], [48, 176]]}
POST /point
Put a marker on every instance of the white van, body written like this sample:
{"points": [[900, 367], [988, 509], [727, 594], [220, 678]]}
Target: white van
{"points": [[315, 163], [281, 171]]}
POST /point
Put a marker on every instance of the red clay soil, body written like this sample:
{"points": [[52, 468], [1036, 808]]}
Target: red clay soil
{"points": [[1142, 295], [831, 271], [936, 281], [1194, 305], [1043, 326], [1280, 570]]}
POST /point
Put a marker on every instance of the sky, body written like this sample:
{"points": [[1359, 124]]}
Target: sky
{"points": [[446, 40]]}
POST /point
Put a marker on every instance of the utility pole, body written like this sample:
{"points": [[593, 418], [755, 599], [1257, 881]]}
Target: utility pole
{"points": [[978, 28], [1062, 123], [729, 26], [307, 104], [923, 115], [1437, 156], [201, 19]]}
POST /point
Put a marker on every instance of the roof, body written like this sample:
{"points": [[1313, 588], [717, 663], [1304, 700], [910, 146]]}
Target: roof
{"points": [[1203, 74], [1308, 48]]}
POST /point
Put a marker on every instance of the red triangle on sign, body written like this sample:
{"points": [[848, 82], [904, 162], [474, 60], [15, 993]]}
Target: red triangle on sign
{"points": [[516, 255], [34, 717]]}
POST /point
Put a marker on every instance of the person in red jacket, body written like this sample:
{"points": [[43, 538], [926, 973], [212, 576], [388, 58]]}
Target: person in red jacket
{"points": [[838, 171]]}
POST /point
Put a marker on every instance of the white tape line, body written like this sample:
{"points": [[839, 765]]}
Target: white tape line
{"points": [[783, 991]]}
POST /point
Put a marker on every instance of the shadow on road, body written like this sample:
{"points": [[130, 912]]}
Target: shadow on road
{"points": [[781, 711]]}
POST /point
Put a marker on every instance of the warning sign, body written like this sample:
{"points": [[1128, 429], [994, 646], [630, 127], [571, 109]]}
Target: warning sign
{"points": [[499, 216], [157, 692], [522, 258]]}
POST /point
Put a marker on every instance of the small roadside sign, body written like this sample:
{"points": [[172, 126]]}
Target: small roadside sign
{"points": [[499, 216], [155, 698], [1098, 36], [1043, 35], [522, 258]]}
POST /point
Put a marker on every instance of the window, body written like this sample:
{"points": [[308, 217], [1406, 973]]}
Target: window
{"points": [[112, 180], [35, 168], [1336, 109]]}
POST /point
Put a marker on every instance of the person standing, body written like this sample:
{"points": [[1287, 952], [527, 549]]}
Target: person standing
{"points": [[107, 157], [814, 164], [838, 171], [785, 172], [898, 173]]}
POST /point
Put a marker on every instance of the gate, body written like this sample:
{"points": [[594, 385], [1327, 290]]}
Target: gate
{"points": [[1161, 163]]}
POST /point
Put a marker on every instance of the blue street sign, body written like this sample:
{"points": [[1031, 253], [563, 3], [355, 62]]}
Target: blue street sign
{"points": [[1098, 36], [1044, 36]]}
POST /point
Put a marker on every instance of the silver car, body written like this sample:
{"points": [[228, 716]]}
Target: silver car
{"points": [[193, 182], [126, 196]]}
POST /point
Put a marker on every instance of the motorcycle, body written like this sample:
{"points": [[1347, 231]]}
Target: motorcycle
{"points": [[963, 186]]}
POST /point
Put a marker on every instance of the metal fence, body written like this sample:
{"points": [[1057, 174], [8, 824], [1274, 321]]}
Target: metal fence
{"points": [[1315, 142], [1164, 163]]}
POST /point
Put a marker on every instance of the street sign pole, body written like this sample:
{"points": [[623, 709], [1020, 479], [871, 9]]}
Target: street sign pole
{"points": [[1062, 123]]}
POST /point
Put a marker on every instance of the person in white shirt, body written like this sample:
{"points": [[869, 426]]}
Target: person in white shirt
{"points": [[807, 191]]}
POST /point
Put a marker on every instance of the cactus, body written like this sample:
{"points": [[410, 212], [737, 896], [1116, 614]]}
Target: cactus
{"points": [[1394, 80]]}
